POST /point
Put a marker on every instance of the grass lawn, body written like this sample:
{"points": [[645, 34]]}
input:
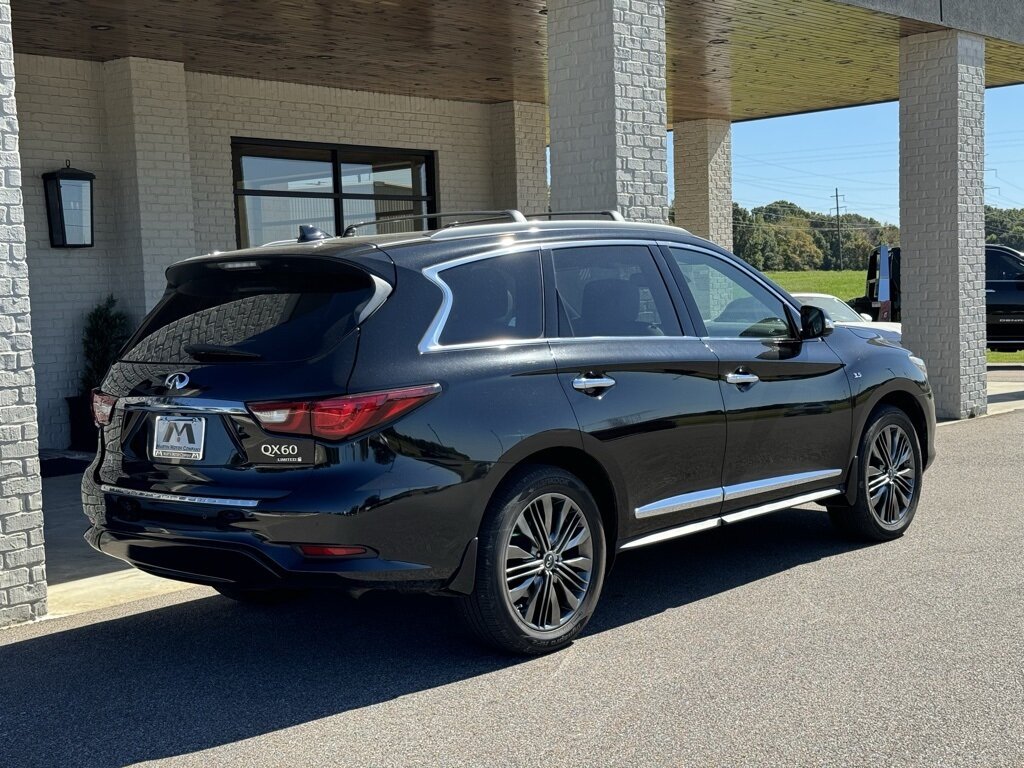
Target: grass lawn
{"points": [[847, 285]]}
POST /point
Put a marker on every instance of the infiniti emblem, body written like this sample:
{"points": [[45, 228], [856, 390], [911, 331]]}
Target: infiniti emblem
{"points": [[177, 380]]}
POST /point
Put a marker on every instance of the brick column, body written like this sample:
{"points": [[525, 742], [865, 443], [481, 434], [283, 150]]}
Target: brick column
{"points": [[518, 156], [147, 130], [22, 572], [606, 98], [942, 216], [703, 176]]}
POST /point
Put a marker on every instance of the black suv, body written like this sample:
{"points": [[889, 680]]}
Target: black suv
{"points": [[491, 411], [1004, 293]]}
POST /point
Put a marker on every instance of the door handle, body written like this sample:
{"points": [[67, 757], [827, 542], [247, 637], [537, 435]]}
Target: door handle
{"points": [[741, 378], [990, 290], [592, 384]]}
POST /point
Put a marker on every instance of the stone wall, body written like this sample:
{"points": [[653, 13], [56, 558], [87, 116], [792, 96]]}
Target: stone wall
{"points": [[22, 573]]}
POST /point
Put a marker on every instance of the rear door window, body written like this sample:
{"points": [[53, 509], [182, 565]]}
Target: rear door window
{"points": [[267, 310], [611, 290], [493, 299]]}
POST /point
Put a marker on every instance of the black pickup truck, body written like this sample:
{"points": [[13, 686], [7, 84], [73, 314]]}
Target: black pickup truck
{"points": [[1004, 293]]}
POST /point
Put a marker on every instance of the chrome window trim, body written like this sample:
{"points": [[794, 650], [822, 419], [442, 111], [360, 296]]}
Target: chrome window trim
{"points": [[179, 498], [731, 492], [181, 405], [431, 339], [381, 290], [731, 517]]}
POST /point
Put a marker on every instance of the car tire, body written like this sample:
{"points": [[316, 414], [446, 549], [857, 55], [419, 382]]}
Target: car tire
{"points": [[253, 596], [889, 478], [545, 528]]}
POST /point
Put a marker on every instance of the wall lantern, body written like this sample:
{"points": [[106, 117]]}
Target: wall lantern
{"points": [[69, 207]]}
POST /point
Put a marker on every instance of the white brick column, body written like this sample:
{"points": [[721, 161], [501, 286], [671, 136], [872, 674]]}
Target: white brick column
{"points": [[22, 572], [703, 176], [942, 216], [518, 156], [147, 129], [606, 98]]}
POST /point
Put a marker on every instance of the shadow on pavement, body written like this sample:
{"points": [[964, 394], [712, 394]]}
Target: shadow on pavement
{"points": [[208, 672]]}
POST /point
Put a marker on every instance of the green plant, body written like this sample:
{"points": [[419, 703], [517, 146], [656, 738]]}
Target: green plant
{"points": [[106, 331]]}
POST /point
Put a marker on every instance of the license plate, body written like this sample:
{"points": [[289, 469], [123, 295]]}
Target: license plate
{"points": [[179, 437]]}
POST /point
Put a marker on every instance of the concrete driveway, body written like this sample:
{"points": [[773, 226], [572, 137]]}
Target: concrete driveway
{"points": [[767, 643]]}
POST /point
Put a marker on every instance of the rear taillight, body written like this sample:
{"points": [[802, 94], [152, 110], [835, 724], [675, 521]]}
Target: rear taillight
{"points": [[102, 407], [338, 418]]}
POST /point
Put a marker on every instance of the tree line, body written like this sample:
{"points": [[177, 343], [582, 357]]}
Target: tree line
{"points": [[784, 236]]}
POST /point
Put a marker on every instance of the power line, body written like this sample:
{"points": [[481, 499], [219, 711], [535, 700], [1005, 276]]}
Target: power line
{"points": [[818, 224], [832, 177]]}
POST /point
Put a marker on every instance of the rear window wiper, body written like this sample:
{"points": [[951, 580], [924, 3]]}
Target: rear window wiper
{"points": [[204, 352]]}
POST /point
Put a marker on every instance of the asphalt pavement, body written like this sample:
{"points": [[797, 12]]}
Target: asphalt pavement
{"points": [[770, 642]]}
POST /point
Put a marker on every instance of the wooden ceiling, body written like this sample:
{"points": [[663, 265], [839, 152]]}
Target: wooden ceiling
{"points": [[740, 59]]}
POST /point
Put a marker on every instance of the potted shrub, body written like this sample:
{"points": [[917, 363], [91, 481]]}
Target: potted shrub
{"points": [[106, 331]]}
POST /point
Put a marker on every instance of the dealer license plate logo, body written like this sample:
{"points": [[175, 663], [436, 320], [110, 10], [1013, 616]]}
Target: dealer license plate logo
{"points": [[179, 437]]}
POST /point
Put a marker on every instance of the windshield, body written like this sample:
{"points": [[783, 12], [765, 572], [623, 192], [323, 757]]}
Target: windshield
{"points": [[272, 310], [838, 311]]}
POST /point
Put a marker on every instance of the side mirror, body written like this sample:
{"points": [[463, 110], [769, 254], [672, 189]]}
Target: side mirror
{"points": [[866, 317], [813, 323]]}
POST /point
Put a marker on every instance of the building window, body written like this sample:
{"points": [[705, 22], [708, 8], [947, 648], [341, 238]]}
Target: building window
{"points": [[282, 184]]}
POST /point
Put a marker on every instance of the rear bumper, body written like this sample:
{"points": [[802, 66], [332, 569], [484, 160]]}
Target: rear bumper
{"points": [[232, 559], [416, 540]]}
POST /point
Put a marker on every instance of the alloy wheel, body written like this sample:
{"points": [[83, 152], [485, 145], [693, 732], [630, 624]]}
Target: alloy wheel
{"points": [[548, 562], [891, 476]]}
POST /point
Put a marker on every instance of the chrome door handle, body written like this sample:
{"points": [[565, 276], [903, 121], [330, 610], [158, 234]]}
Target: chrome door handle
{"points": [[990, 290], [741, 378], [592, 383]]}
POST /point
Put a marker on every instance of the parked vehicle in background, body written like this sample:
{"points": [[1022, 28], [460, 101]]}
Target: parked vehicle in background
{"points": [[841, 313], [881, 299], [1004, 293], [1004, 297], [490, 412]]}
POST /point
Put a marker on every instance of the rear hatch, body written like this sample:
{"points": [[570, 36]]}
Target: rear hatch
{"points": [[228, 333]]}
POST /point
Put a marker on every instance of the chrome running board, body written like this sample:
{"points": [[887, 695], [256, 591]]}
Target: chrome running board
{"points": [[729, 517]]}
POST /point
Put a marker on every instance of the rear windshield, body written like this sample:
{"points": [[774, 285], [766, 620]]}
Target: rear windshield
{"points": [[266, 310]]}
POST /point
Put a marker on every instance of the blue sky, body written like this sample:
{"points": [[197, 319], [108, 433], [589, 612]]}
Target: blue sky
{"points": [[805, 157]]}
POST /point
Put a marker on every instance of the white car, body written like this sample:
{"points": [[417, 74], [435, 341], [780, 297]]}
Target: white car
{"points": [[841, 313]]}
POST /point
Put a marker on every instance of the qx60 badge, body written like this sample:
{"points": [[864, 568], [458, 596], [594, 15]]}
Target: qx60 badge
{"points": [[177, 380]]}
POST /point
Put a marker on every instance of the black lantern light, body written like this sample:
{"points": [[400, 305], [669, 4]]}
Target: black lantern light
{"points": [[69, 207]]}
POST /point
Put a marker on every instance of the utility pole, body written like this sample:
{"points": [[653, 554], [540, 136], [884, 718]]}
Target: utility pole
{"points": [[839, 230]]}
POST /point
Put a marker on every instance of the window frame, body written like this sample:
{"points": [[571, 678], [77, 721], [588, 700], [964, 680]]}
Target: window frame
{"points": [[336, 152], [430, 341], [541, 302], [792, 311]]}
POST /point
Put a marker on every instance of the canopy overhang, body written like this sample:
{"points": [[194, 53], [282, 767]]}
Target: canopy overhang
{"points": [[727, 59]]}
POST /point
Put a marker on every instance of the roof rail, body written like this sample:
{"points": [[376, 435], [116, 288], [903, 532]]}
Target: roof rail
{"points": [[549, 215], [511, 214]]}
